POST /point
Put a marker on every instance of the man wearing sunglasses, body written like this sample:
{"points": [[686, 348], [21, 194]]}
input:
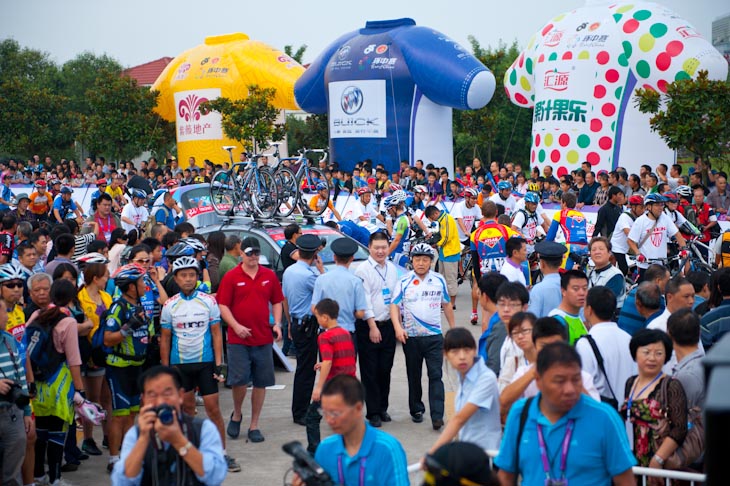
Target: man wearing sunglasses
{"points": [[244, 296]]}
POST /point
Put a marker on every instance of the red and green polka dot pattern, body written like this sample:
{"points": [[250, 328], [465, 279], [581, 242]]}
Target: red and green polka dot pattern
{"points": [[602, 53]]}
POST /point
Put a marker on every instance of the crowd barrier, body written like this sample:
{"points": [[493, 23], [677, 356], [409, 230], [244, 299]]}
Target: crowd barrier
{"points": [[640, 472]]}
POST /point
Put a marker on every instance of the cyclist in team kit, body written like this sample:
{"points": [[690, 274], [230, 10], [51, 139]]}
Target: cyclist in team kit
{"points": [[574, 226], [395, 206], [192, 342]]}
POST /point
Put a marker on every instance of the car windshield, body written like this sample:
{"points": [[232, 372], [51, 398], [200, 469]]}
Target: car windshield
{"points": [[329, 234]]}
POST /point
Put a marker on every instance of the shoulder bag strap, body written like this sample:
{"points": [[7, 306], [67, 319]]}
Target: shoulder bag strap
{"points": [[599, 358], [648, 234], [523, 421]]}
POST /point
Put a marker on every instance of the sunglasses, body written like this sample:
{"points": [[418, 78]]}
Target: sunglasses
{"points": [[142, 260], [13, 285], [252, 252]]}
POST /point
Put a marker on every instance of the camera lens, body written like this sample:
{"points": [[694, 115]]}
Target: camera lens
{"points": [[165, 414]]}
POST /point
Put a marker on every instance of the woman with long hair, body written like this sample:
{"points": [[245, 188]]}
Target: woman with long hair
{"points": [[216, 250], [56, 392]]}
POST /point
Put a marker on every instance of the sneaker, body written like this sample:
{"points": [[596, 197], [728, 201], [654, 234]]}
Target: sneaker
{"points": [[110, 465], [62, 482], [233, 466], [42, 481], [90, 448], [474, 318], [105, 442], [70, 467]]}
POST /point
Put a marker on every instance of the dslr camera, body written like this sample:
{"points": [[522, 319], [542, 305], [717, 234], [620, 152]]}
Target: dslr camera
{"points": [[165, 413], [15, 395], [311, 473]]}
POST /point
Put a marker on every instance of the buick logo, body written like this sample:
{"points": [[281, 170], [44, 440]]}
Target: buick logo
{"points": [[344, 51], [352, 100]]}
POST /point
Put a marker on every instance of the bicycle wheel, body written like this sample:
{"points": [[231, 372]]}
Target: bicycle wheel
{"points": [[286, 185], [261, 192], [223, 195], [309, 182]]}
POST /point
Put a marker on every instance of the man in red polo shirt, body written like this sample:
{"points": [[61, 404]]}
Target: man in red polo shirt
{"points": [[244, 296]]}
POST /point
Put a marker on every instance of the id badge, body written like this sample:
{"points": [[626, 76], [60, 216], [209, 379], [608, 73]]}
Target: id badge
{"points": [[556, 482], [386, 296], [630, 433]]}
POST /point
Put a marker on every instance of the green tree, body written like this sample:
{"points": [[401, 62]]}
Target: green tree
{"points": [[121, 124], [693, 114], [296, 55], [501, 130], [310, 132], [79, 75], [31, 67], [250, 121]]}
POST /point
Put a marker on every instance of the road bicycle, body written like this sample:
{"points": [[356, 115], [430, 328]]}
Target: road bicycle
{"points": [[252, 192], [295, 179]]}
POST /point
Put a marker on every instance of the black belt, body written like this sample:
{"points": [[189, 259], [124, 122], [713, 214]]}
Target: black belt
{"points": [[298, 321], [387, 322]]}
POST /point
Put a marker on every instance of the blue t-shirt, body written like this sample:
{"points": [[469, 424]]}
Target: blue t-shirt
{"points": [[355, 231], [7, 195], [64, 207], [598, 450]]}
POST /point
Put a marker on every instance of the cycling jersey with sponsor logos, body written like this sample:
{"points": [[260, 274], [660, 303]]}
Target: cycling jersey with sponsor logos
{"points": [[656, 236], [40, 204], [490, 242], [574, 226], [420, 300], [189, 319], [132, 350], [401, 227]]}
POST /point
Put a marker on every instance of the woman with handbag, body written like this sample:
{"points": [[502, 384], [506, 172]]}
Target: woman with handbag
{"points": [[656, 406]]}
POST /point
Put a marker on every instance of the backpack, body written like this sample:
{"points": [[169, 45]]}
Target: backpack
{"points": [[44, 357], [151, 220], [98, 350]]}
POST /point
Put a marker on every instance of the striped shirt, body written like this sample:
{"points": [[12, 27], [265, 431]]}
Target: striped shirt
{"points": [[335, 345], [11, 364]]}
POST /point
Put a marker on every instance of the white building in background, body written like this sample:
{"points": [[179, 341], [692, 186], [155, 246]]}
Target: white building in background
{"points": [[721, 35]]}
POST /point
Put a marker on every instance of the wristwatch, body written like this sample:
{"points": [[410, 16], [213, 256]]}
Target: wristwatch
{"points": [[183, 451]]}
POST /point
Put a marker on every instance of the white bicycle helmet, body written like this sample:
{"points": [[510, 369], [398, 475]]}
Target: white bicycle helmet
{"points": [[195, 244], [422, 249], [93, 257], [684, 191], [470, 191], [11, 271], [395, 199], [184, 262], [420, 189]]}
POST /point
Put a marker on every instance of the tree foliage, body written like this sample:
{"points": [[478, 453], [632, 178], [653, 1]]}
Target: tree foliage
{"points": [[250, 121], [311, 132], [80, 74], [501, 130], [693, 114], [296, 55], [121, 123]]}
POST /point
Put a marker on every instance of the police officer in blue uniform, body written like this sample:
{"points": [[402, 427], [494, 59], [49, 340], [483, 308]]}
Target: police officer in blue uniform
{"points": [[298, 286], [546, 296]]}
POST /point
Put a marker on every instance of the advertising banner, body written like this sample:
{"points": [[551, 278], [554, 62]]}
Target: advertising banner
{"points": [[360, 112], [191, 124]]}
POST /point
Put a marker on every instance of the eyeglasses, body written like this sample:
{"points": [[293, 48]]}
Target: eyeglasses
{"points": [[333, 414], [647, 352], [523, 332], [252, 252], [13, 285], [509, 305], [142, 260]]}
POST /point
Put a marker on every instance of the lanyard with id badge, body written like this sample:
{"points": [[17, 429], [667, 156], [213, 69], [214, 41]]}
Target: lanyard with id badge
{"points": [[550, 481], [386, 290]]}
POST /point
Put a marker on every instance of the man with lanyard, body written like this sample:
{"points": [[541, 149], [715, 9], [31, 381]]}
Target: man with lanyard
{"points": [[619, 238], [127, 332], [488, 242], [40, 201], [356, 454], [545, 430], [63, 205], [192, 342], [341, 285], [6, 195], [420, 295], [103, 222], [375, 332], [134, 213], [504, 197], [298, 286], [650, 233], [573, 224], [401, 230]]}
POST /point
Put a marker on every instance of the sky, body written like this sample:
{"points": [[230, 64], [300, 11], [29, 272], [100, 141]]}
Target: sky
{"points": [[136, 31]]}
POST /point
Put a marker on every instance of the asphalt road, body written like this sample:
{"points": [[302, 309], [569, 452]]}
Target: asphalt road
{"points": [[266, 464]]}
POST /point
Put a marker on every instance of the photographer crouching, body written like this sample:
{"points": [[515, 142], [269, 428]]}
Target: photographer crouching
{"points": [[14, 406], [167, 447]]}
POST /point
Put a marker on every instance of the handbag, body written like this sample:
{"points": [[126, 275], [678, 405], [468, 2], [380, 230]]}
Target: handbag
{"points": [[691, 449]]}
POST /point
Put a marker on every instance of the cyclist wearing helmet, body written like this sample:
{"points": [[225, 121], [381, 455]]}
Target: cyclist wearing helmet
{"points": [[671, 209], [417, 202], [526, 220], [422, 294], [100, 188], [63, 205], [191, 247], [12, 282], [191, 341], [135, 213], [504, 197], [399, 226], [574, 226], [650, 233], [127, 332], [365, 211], [40, 201], [321, 198], [619, 238], [466, 214]]}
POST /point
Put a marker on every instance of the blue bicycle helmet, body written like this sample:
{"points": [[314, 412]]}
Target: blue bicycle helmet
{"points": [[531, 197], [654, 198], [179, 249], [139, 193], [321, 186], [504, 185]]}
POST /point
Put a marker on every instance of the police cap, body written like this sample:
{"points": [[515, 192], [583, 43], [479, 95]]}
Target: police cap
{"points": [[550, 249], [308, 243], [344, 247]]}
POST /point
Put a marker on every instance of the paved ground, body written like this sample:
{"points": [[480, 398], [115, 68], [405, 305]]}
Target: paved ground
{"points": [[266, 464]]}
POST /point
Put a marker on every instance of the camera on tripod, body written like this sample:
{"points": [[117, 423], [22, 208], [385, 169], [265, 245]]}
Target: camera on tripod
{"points": [[311, 473], [15, 395]]}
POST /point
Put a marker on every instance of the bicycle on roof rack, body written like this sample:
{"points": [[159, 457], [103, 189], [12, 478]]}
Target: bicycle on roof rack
{"points": [[295, 178]]}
